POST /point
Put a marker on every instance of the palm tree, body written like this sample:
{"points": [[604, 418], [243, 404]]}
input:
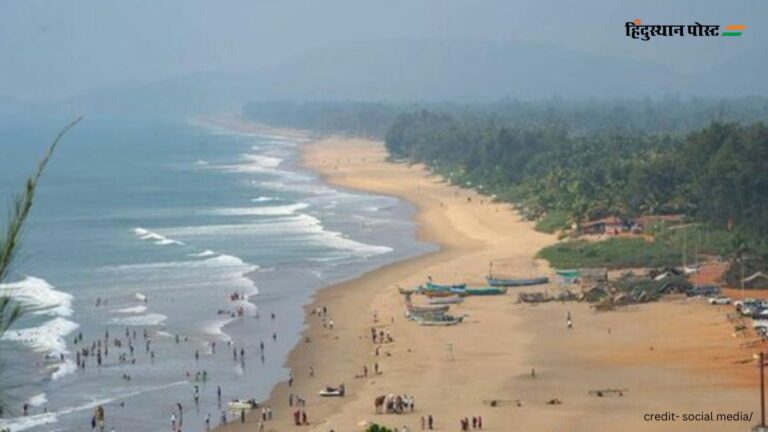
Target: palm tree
{"points": [[740, 250], [11, 310]]}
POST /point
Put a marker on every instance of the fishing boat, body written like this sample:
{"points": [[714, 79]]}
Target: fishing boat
{"points": [[484, 291], [428, 308], [440, 294], [436, 287], [569, 274], [499, 282], [453, 299], [443, 320]]}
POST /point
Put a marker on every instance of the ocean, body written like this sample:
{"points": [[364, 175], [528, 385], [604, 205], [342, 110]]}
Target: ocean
{"points": [[157, 238]]}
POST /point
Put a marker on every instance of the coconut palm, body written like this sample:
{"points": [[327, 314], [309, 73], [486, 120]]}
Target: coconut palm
{"points": [[11, 310]]}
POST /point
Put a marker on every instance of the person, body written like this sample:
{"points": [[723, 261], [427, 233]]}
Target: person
{"points": [[290, 399], [430, 422], [304, 418], [423, 422], [208, 422], [570, 324], [173, 421], [330, 324], [93, 423], [365, 371], [479, 422], [242, 415], [311, 372], [218, 393]]}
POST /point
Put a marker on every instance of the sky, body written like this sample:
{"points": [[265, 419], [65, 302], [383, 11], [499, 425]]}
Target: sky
{"points": [[53, 49]]}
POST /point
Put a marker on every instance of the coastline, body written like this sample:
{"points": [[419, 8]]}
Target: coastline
{"points": [[667, 356]]}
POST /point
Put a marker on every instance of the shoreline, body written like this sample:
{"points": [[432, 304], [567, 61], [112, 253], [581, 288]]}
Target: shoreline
{"points": [[672, 355], [362, 293]]}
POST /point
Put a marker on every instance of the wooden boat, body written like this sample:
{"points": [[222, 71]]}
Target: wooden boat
{"points": [[498, 282], [484, 291], [332, 391], [454, 299], [443, 320], [569, 274], [428, 308], [434, 294], [435, 287]]}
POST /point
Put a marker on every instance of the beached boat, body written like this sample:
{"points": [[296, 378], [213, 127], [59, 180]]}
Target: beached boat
{"points": [[428, 308], [453, 299], [501, 282], [332, 391], [484, 291], [443, 320], [438, 294], [436, 287], [569, 274]]}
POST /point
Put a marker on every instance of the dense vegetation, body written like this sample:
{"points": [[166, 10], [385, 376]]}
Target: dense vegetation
{"points": [[716, 174]]}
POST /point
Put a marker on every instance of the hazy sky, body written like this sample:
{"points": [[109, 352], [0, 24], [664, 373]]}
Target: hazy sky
{"points": [[50, 49]]}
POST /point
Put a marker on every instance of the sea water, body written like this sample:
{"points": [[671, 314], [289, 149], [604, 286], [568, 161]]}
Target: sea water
{"points": [[191, 232]]}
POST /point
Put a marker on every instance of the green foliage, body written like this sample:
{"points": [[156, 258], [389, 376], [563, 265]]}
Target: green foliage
{"points": [[10, 309], [714, 175], [553, 221], [378, 428], [618, 252]]}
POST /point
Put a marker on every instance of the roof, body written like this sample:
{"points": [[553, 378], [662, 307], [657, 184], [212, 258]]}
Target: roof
{"points": [[648, 219], [756, 276]]}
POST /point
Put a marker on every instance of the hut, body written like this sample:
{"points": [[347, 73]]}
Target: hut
{"points": [[611, 225], [757, 280]]}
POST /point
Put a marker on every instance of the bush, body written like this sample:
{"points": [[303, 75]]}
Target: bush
{"points": [[619, 252]]}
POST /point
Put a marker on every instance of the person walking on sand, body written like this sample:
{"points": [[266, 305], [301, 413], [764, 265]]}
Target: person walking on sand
{"points": [[570, 324], [430, 422], [330, 324], [311, 372], [304, 418], [479, 422], [242, 415], [423, 422]]}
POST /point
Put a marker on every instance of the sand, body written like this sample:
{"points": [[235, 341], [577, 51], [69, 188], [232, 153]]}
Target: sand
{"points": [[679, 355]]}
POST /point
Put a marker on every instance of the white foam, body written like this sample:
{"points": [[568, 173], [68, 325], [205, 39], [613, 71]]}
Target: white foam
{"points": [[39, 296], [37, 400], [201, 162], [283, 210], [147, 320], [131, 310], [63, 369], [158, 239], [263, 199], [47, 337], [28, 422], [205, 253], [262, 161]]}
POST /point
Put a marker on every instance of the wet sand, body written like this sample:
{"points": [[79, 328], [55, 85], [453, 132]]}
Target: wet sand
{"points": [[678, 355]]}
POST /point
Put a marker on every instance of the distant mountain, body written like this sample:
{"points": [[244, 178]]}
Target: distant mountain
{"points": [[426, 71], [444, 70]]}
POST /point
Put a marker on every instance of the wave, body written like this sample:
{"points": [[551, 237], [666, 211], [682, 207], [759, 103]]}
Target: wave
{"points": [[145, 234], [38, 400], [264, 199], [28, 422], [38, 296], [148, 320], [131, 310], [223, 261], [63, 369], [309, 228], [205, 253], [47, 337], [261, 211], [262, 161]]}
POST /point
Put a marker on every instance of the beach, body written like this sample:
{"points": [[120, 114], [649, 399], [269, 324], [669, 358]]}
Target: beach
{"points": [[516, 366]]}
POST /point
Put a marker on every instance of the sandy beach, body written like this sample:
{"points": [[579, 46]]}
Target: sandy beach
{"points": [[679, 355]]}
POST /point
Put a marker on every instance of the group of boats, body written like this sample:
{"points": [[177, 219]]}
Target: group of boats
{"points": [[441, 297]]}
